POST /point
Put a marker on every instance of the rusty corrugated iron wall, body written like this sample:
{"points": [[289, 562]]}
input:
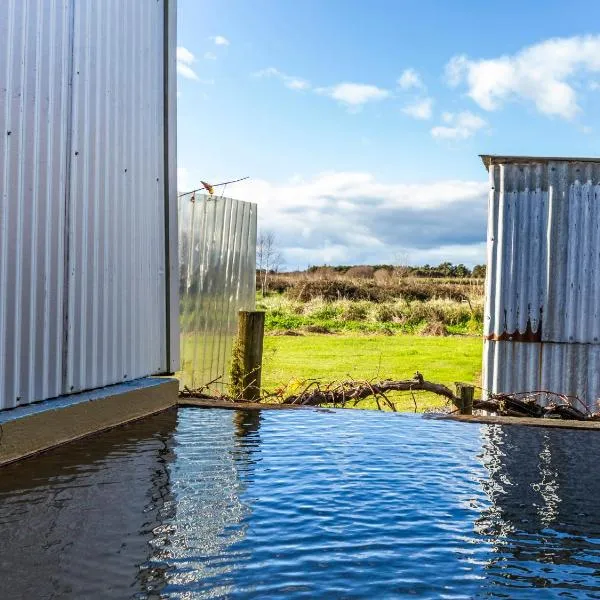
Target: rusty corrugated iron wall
{"points": [[542, 314], [87, 194]]}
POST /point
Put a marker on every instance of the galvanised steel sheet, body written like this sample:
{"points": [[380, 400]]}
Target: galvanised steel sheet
{"points": [[87, 192], [116, 312], [217, 249], [35, 63], [571, 369], [543, 281], [544, 251]]}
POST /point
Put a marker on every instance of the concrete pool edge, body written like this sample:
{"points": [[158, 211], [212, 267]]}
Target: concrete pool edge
{"points": [[524, 421], [29, 430]]}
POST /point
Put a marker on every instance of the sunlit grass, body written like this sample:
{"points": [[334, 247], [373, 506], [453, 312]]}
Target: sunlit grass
{"points": [[337, 357]]}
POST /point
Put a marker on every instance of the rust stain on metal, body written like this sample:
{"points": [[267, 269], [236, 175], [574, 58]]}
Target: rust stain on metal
{"points": [[529, 335]]}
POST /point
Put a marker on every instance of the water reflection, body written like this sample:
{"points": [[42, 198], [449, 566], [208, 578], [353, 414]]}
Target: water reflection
{"points": [[77, 521], [216, 454], [304, 504], [542, 519]]}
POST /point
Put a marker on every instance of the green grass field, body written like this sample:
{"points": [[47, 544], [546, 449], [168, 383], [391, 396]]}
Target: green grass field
{"points": [[336, 357]]}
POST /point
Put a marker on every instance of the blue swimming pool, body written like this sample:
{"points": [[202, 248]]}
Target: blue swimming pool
{"points": [[305, 504]]}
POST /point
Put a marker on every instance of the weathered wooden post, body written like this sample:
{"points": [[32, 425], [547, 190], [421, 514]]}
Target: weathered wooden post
{"points": [[246, 362], [465, 392]]}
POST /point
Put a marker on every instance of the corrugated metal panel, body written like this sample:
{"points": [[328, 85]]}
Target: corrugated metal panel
{"points": [[543, 283], [572, 369], [171, 186], [116, 311], [34, 103], [217, 248], [82, 205]]}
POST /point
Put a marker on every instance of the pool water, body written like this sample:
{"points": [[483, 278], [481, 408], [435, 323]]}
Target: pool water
{"points": [[305, 504]]}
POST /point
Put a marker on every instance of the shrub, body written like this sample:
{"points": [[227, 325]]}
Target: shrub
{"points": [[382, 276], [360, 272]]}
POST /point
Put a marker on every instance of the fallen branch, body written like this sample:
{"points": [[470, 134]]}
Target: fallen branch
{"points": [[339, 394], [537, 404]]}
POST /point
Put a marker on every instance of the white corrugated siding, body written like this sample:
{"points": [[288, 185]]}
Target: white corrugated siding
{"points": [[116, 211], [543, 277], [34, 102], [82, 210]]}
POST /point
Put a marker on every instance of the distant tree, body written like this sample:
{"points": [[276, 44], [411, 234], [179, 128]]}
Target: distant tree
{"points": [[461, 271], [478, 271], [268, 258]]}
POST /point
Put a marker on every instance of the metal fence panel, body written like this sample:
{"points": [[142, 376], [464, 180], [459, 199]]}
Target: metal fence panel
{"points": [[217, 257], [542, 315]]}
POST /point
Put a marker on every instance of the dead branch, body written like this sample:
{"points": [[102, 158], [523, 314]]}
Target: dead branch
{"points": [[355, 391]]}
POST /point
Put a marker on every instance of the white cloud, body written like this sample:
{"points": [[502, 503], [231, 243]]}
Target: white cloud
{"points": [[351, 217], [210, 56], [410, 79], [185, 60], [458, 126], [420, 109], [219, 40], [294, 83], [542, 74], [183, 180], [354, 95]]}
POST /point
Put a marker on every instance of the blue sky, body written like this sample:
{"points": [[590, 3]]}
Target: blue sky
{"points": [[360, 123]]}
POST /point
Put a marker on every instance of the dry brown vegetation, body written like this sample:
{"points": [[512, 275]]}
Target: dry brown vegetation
{"points": [[372, 300]]}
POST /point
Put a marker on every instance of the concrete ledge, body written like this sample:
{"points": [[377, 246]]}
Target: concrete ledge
{"points": [[28, 430], [206, 403], [526, 421]]}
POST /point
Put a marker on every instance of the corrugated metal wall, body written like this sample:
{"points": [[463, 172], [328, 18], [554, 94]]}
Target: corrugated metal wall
{"points": [[82, 204], [542, 317], [217, 249]]}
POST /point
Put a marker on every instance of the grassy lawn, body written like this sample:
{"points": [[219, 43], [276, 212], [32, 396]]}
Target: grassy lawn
{"points": [[335, 357]]}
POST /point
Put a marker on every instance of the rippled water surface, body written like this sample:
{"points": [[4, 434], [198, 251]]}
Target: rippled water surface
{"points": [[315, 504]]}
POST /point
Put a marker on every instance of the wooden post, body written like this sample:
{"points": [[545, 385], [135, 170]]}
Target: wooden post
{"points": [[247, 356], [465, 392]]}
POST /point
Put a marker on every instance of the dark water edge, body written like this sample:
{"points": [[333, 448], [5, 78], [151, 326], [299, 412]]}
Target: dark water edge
{"points": [[317, 504]]}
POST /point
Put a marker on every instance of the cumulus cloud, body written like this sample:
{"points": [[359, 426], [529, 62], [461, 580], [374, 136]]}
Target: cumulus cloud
{"points": [[410, 79], [294, 83], [419, 109], [351, 217], [459, 126], [210, 56], [543, 74], [219, 40], [185, 60], [354, 95]]}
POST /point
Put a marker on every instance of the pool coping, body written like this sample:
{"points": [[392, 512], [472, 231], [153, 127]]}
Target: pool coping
{"points": [[229, 405], [28, 430], [525, 421]]}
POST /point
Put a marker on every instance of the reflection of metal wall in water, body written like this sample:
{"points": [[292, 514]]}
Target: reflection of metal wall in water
{"points": [[542, 313], [541, 491], [217, 259], [78, 522]]}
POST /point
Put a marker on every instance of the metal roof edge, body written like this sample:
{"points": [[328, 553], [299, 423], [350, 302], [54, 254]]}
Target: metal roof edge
{"points": [[493, 159]]}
